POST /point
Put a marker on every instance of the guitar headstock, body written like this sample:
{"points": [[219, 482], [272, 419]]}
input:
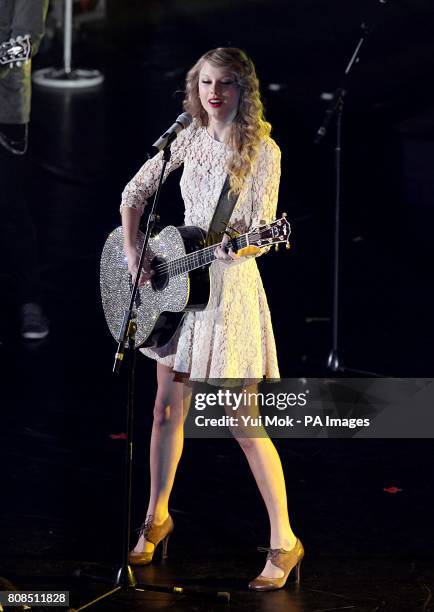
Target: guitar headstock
{"points": [[15, 51], [277, 232]]}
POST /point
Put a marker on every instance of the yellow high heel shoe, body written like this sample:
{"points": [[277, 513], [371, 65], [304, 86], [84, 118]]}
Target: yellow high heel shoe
{"points": [[286, 560], [154, 534]]}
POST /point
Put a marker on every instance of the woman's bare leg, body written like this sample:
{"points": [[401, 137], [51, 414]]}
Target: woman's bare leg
{"points": [[266, 467], [167, 440]]}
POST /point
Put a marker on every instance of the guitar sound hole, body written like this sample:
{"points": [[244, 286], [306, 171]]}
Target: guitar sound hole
{"points": [[161, 277]]}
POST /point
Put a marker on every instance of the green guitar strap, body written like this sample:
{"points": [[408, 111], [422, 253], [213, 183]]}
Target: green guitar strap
{"points": [[222, 214]]}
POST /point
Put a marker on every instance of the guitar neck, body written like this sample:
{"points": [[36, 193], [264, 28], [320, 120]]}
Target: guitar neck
{"points": [[275, 232], [202, 257]]}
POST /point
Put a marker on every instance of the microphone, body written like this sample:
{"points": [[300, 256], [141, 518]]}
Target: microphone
{"points": [[168, 137]]}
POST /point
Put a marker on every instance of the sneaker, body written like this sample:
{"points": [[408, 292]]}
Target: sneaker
{"points": [[34, 326]]}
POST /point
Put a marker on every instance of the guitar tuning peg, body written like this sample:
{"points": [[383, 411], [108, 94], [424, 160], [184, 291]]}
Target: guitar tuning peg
{"points": [[284, 215], [288, 246], [276, 246]]}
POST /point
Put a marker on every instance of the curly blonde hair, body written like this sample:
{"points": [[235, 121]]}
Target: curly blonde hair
{"points": [[249, 126]]}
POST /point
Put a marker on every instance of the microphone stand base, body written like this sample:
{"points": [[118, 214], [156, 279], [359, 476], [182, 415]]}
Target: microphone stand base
{"points": [[59, 78]]}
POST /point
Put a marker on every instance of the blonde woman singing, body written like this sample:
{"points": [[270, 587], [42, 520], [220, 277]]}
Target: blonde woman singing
{"points": [[232, 338]]}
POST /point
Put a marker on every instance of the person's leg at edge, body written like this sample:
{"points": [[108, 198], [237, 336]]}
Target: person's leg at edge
{"points": [[167, 440], [266, 467]]}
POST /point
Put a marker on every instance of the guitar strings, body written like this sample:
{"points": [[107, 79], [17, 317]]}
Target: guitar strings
{"points": [[194, 257], [176, 265]]}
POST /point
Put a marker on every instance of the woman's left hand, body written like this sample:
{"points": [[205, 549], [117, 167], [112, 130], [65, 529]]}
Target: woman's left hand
{"points": [[225, 255], [228, 256]]}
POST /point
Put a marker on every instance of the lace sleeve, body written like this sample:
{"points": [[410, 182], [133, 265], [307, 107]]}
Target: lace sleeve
{"points": [[145, 182], [265, 184]]}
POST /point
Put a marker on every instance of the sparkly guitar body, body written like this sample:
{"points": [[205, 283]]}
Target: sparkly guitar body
{"points": [[180, 282]]}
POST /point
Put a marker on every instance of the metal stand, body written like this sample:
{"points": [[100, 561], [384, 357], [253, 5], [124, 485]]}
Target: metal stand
{"points": [[333, 361], [125, 579], [335, 110], [123, 333], [66, 77]]}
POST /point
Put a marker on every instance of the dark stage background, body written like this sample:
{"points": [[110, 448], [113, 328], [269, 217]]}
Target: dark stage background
{"points": [[366, 548]]}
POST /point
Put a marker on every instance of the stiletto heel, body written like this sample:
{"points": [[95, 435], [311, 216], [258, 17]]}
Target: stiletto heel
{"points": [[297, 572], [165, 544], [286, 560], [153, 534]]}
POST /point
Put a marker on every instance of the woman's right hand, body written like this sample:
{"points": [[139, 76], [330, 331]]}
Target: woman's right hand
{"points": [[133, 257]]}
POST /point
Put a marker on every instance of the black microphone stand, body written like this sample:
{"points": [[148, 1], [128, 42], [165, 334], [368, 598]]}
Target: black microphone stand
{"points": [[335, 111], [125, 579]]}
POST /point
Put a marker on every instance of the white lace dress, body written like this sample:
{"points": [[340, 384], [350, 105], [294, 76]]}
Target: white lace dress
{"points": [[233, 337]]}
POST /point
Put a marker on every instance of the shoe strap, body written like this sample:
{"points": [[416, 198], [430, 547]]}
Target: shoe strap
{"points": [[279, 556], [154, 533]]}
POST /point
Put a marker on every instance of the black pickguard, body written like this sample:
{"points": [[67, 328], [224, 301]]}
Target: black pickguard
{"points": [[168, 322]]}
